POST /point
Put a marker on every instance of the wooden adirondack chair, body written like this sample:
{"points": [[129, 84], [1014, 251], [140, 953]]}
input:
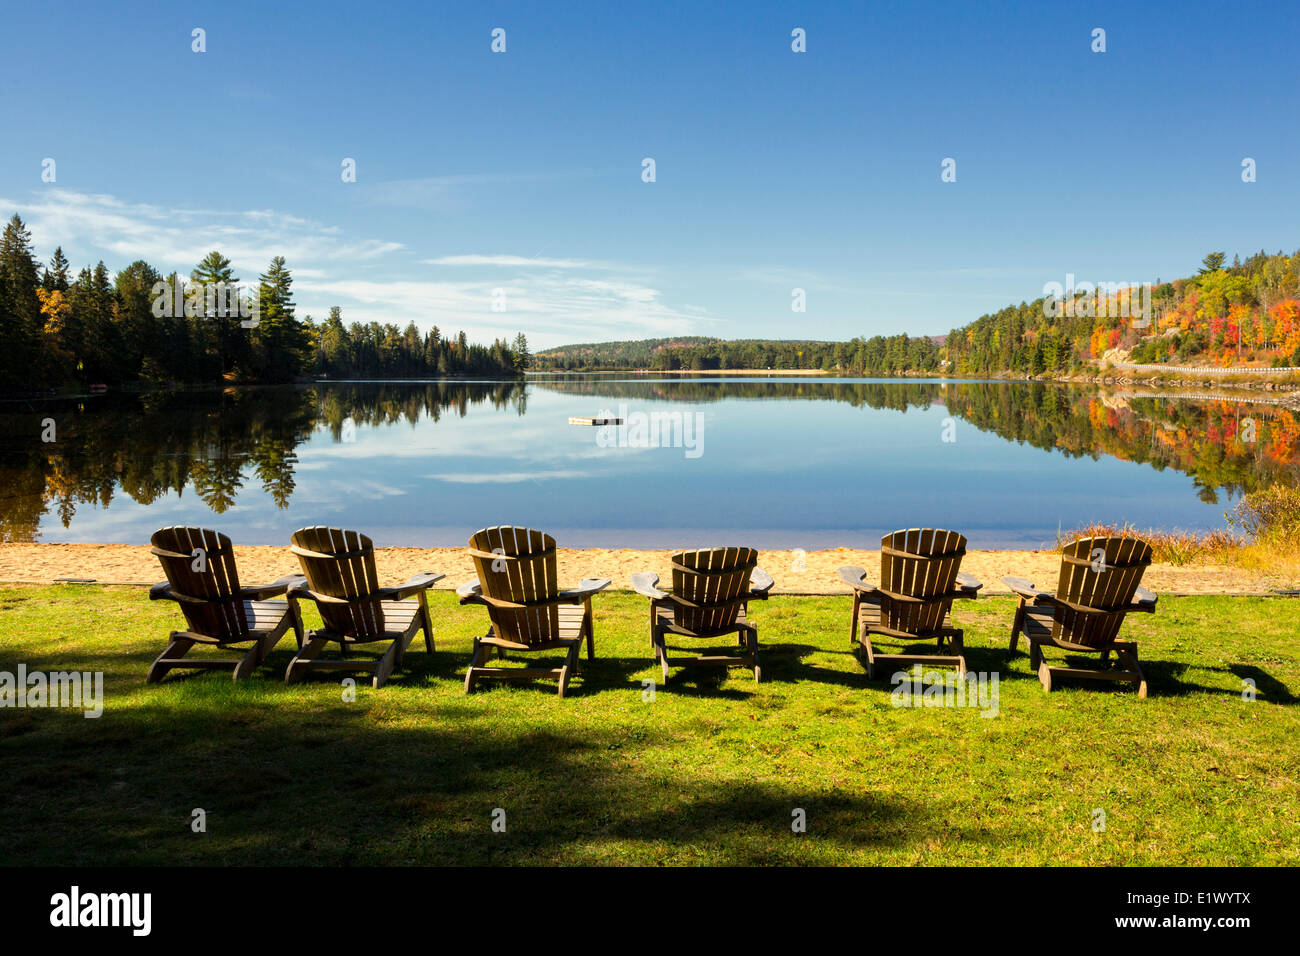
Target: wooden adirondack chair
{"points": [[517, 584], [710, 597], [920, 577], [342, 581], [1099, 582], [203, 580]]}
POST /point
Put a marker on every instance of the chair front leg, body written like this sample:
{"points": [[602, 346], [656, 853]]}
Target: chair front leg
{"points": [[871, 655], [570, 667], [475, 660], [589, 626], [853, 624], [1016, 624], [426, 623], [1130, 659], [390, 659], [661, 651], [298, 666], [257, 653], [295, 616], [177, 647]]}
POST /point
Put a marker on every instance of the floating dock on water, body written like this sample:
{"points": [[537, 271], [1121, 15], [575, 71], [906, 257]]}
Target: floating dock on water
{"points": [[594, 421]]}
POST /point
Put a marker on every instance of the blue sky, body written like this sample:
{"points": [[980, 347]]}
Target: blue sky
{"points": [[521, 171]]}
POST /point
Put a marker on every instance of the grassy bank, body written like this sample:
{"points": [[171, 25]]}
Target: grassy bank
{"points": [[709, 772]]}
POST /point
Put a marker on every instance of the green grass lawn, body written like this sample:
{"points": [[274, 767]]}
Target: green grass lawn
{"points": [[709, 772]]}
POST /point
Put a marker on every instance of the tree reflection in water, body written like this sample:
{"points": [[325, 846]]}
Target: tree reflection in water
{"points": [[217, 442], [213, 442]]}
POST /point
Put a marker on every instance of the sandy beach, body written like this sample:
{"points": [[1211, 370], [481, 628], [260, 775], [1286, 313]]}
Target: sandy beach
{"points": [[813, 572]]}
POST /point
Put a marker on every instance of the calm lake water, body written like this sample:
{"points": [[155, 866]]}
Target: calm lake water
{"points": [[773, 463]]}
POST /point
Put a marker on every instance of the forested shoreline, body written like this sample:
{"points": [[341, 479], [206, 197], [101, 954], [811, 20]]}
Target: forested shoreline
{"points": [[142, 329], [139, 328], [1246, 314], [884, 355]]}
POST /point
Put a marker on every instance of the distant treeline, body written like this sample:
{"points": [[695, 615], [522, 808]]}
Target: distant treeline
{"points": [[879, 355], [143, 328], [1246, 313], [384, 351]]}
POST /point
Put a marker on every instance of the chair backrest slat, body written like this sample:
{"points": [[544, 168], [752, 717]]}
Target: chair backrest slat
{"points": [[214, 582], [341, 564], [1100, 574], [518, 566], [712, 579], [918, 563]]}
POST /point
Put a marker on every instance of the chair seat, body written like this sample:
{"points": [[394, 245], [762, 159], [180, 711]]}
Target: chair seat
{"points": [[263, 617], [1038, 627], [665, 616], [1038, 623], [570, 629], [870, 619], [399, 617], [571, 619]]}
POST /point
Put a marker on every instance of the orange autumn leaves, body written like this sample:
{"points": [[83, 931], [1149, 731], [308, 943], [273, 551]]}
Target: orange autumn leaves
{"points": [[1209, 440], [1232, 334]]}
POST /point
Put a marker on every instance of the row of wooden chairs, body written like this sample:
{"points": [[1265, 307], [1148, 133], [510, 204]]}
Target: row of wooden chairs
{"points": [[1098, 584], [708, 599]]}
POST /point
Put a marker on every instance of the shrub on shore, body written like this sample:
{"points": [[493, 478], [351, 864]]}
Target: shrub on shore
{"points": [[1178, 548], [1270, 516], [1265, 535]]}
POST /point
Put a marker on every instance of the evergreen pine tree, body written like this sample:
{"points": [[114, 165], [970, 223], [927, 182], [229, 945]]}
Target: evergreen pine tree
{"points": [[20, 310]]}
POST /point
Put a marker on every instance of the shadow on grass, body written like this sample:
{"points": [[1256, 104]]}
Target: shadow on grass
{"points": [[799, 669], [1166, 679], [1266, 686], [605, 674], [337, 786]]}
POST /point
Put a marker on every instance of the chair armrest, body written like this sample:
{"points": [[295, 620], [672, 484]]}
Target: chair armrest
{"points": [[643, 582], [162, 591], [469, 592], [301, 591], [585, 589], [1145, 600], [853, 577], [760, 583], [1025, 588], [417, 583], [969, 584], [264, 591]]}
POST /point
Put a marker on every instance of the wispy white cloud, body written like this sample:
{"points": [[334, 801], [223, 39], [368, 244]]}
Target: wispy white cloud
{"points": [[779, 275], [551, 309], [177, 238], [553, 300], [791, 279], [447, 192], [505, 478], [505, 261]]}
